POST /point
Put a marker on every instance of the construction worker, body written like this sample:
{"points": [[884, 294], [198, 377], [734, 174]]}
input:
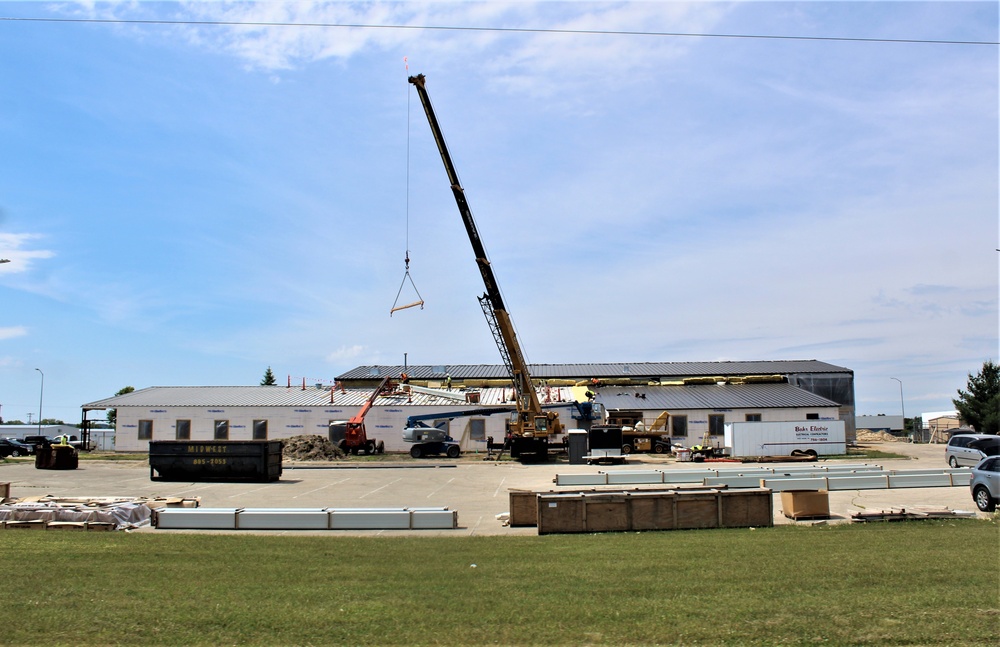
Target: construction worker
{"points": [[447, 380], [404, 378]]}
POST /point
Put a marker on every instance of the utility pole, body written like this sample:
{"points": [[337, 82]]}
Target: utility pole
{"points": [[913, 438], [41, 392]]}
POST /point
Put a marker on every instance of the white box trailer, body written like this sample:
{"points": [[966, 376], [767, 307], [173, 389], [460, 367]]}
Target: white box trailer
{"points": [[818, 437]]}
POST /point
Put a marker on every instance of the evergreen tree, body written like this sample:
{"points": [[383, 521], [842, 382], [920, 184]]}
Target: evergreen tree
{"points": [[979, 405], [268, 378]]}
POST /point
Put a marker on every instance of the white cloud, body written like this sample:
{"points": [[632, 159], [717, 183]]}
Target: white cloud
{"points": [[14, 248], [345, 353], [10, 332], [279, 36]]}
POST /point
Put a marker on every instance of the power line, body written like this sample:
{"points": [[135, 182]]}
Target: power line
{"points": [[519, 30]]}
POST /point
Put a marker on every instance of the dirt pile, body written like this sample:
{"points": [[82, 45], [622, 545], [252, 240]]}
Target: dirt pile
{"points": [[869, 436], [309, 448]]}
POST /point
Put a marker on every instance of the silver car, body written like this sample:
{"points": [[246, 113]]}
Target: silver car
{"points": [[964, 449], [985, 485]]}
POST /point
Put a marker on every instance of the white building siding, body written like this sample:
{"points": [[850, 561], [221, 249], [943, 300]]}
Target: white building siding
{"points": [[382, 423], [698, 424]]}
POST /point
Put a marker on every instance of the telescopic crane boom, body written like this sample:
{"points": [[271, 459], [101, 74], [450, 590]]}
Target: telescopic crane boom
{"points": [[531, 426]]}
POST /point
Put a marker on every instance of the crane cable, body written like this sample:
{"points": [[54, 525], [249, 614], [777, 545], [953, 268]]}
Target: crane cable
{"points": [[406, 275]]}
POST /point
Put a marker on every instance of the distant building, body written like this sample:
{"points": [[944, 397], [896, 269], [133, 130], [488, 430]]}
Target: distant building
{"points": [[937, 425], [699, 396], [20, 431]]}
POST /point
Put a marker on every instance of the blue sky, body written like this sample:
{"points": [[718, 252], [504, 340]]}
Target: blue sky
{"points": [[189, 204]]}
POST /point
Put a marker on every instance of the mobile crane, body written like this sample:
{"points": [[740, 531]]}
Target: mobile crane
{"points": [[350, 435], [530, 426]]}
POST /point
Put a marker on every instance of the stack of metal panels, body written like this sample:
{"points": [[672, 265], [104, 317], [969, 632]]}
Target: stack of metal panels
{"points": [[307, 519]]}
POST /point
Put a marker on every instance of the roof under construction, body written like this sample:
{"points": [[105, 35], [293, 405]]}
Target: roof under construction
{"points": [[702, 396], [639, 370]]}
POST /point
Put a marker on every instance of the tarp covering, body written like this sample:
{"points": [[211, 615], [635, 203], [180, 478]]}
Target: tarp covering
{"points": [[123, 514]]}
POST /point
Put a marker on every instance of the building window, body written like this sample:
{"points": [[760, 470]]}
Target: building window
{"points": [[183, 430], [753, 417], [145, 430], [477, 429], [374, 371], [678, 425], [812, 416], [260, 429], [716, 424], [221, 430]]}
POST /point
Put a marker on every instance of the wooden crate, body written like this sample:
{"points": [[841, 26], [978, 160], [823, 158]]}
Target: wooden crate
{"points": [[606, 513], [523, 508], [561, 513], [654, 510], [699, 510], [631, 511], [748, 508]]}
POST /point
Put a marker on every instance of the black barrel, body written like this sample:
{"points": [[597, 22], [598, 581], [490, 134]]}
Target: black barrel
{"points": [[215, 460], [56, 457]]}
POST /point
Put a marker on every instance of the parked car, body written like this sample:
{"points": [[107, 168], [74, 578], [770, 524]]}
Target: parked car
{"points": [[969, 449], [11, 447], [985, 485], [36, 441]]}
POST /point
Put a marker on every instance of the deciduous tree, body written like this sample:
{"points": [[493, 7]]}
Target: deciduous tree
{"points": [[113, 413]]}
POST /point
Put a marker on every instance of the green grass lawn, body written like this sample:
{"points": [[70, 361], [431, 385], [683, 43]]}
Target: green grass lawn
{"points": [[872, 584]]}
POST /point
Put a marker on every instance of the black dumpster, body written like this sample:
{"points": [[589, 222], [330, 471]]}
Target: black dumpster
{"points": [[218, 460], [56, 457]]}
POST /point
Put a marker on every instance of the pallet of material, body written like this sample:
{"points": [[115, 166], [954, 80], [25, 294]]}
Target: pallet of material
{"points": [[670, 510], [805, 504], [118, 512], [902, 514]]}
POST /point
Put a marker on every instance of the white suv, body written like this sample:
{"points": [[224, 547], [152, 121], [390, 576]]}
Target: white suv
{"points": [[962, 449]]}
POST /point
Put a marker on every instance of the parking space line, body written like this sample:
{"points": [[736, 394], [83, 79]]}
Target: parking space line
{"points": [[195, 489], [476, 527], [497, 491], [322, 488], [248, 492], [440, 488], [380, 488]]}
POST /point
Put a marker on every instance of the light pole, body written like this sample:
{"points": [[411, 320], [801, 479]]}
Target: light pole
{"points": [[902, 408], [41, 392]]}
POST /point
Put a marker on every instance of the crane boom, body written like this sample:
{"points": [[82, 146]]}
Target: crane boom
{"points": [[532, 426]]}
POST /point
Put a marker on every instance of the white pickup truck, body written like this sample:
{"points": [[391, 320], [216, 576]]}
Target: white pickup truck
{"points": [[71, 440]]}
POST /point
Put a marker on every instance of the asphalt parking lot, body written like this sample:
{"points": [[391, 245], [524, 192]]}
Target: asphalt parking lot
{"points": [[477, 489]]}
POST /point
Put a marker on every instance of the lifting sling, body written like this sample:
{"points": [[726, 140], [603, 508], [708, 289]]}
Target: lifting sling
{"points": [[418, 302]]}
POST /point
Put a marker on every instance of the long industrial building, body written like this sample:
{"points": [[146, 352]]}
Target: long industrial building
{"points": [[701, 397]]}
